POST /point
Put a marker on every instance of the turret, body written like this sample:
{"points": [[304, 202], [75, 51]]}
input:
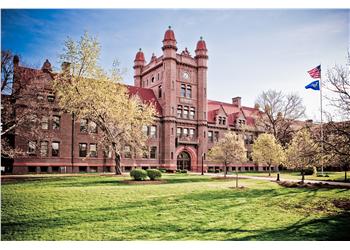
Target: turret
{"points": [[169, 44], [201, 53], [139, 62]]}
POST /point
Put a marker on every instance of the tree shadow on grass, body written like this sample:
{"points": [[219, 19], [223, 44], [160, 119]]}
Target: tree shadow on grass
{"points": [[334, 227], [109, 181]]}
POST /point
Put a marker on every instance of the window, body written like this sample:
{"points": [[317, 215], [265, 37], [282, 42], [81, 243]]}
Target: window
{"points": [[210, 136], [145, 130], [82, 149], [179, 111], [183, 90], [158, 76], [56, 122], [92, 127], [185, 114], [216, 135], [153, 153], [153, 132], [192, 113], [50, 98], [40, 97], [93, 150], [192, 134], [178, 131], [83, 125], [31, 147], [222, 120], [189, 91], [44, 148], [185, 132], [160, 91], [107, 153], [55, 147], [45, 123], [127, 152], [145, 153], [152, 79]]}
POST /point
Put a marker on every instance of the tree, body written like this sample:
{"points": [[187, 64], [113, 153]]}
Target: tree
{"points": [[21, 110], [302, 152], [337, 134], [86, 91], [280, 112], [267, 150], [229, 149]]}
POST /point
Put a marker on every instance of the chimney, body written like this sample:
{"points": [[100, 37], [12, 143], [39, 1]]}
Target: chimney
{"points": [[15, 60], [65, 67], [236, 101]]}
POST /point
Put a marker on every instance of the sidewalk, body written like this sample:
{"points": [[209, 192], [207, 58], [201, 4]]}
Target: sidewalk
{"points": [[333, 183]]}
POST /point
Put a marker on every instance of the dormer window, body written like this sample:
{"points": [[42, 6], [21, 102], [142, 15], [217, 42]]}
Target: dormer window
{"points": [[241, 122], [222, 120]]}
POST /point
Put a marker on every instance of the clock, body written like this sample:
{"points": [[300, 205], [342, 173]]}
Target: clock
{"points": [[186, 75]]}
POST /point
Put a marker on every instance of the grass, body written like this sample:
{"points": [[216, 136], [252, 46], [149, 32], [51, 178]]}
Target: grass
{"points": [[332, 176], [188, 207]]}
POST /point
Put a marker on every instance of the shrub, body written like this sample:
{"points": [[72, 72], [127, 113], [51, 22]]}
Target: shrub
{"points": [[178, 171], [217, 171], [210, 170], [308, 171], [184, 171], [162, 170], [154, 174], [138, 174]]}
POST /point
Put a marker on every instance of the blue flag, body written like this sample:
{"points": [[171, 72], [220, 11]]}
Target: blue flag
{"points": [[315, 85]]}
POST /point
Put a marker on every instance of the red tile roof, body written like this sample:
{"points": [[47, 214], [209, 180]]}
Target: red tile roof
{"points": [[146, 95], [233, 112]]}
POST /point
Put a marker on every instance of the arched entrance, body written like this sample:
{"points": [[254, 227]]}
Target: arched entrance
{"points": [[184, 161]]}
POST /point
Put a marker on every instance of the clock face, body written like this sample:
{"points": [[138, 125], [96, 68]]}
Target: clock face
{"points": [[186, 75]]}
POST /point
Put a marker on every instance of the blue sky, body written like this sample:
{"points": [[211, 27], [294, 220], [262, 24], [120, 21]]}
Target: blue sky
{"points": [[249, 50]]}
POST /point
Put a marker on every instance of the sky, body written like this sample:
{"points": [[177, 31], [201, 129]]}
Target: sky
{"points": [[249, 50]]}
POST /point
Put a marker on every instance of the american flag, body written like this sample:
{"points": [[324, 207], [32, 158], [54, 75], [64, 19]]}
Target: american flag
{"points": [[315, 72]]}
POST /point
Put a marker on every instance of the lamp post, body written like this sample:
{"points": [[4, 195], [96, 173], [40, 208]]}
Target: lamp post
{"points": [[202, 163]]}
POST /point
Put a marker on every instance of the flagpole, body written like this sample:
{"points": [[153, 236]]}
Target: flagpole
{"points": [[321, 122]]}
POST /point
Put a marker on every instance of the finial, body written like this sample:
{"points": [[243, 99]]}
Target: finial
{"points": [[140, 49], [169, 27], [201, 38]]}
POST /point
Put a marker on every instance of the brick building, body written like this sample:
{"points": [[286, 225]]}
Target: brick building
{"points": [[187, 124]]}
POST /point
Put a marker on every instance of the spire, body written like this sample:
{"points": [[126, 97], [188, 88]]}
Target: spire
{"points": [[46, 66]]}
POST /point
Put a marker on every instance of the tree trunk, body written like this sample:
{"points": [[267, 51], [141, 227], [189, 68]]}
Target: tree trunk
{"points": [[236, 177], [345, 177], [269, 169], [225, 170], [302, 176], [118, 170]]}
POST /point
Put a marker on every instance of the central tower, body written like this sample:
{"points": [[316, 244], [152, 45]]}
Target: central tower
{"points": [[179, 81]]}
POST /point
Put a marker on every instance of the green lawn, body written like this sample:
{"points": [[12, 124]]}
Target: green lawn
{"points": [[186, 208], [332, 176]]}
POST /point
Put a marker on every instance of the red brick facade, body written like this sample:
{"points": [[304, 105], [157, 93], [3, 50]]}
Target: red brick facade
{"points": [[187, 124]]}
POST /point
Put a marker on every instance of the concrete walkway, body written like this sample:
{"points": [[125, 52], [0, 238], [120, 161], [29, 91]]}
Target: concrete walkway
{"points": [[333, 183]]}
